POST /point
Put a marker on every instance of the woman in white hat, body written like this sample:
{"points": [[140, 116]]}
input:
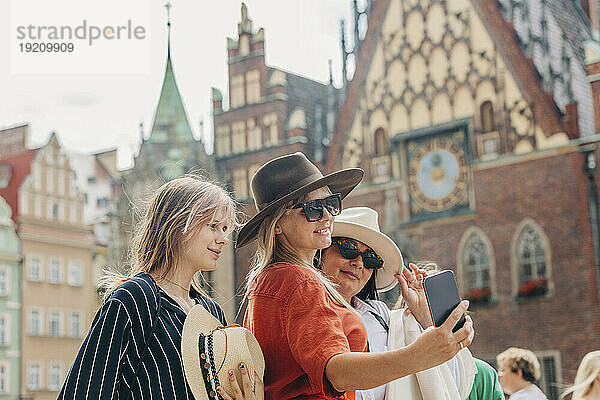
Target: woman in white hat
{"points": [[133, 348], [362, 261], [313, 342]]}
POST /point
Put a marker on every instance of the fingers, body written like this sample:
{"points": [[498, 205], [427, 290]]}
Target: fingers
{"points": [[464, 333], [455, 315], [237, 392], [246, 380], [259, 387], [403, 283]]}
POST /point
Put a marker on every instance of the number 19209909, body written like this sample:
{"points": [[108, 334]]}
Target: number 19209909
{"points": [[46, 47]]}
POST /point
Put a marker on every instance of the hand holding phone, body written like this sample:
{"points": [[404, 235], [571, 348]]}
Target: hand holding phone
{"points": [[442, 296]]}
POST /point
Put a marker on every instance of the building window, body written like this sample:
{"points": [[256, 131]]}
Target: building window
{"points": [[35, 322], [531, 255], [244, 45], [61, 182], [270, 124], [75, 324], [3, 330], [487, 116], [381, 142], [55, 323], [4, 279], [102, 202], [222, 140], [253, 86], [476, 263], [34, 376], [75, 276], [551, 379], [54, 271], [237, 91], [54, 376], [34, 269], [4, 378], [49, 180], [476, 266], [240, 187], [73, 213], [531, 260], [254, 135], [52, 209], [238, 137]]}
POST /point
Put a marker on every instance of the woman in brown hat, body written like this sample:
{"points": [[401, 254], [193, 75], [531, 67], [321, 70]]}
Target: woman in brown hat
{"points": [[313, 342], [133, 349]]}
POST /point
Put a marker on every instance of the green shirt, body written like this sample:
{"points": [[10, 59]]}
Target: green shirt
{"points": [[486, 385]]}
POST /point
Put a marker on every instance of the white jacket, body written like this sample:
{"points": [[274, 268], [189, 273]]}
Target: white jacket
{"points": [[432, 384]]}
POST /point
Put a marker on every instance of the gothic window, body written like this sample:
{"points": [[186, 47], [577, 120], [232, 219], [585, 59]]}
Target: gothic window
{"points": [[381, 141], [237, 91], [253, 86], [238, 137], [222, 140], [476, 263], [270, 126], [487, 116], [254, 135], [476, 266], [240, 187], [531, 255]]}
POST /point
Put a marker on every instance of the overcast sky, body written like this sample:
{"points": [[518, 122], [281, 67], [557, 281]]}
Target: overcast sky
{"points": [[92, 112]]}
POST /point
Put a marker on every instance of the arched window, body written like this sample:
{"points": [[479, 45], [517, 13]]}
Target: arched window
{"points": [[382, 147], [531, 255], [487, 116], [476, 263], [531, 260], [476, 266]]}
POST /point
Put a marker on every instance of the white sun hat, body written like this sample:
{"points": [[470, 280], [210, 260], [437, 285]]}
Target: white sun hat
{"points": [[361, 223], [210, 350]]}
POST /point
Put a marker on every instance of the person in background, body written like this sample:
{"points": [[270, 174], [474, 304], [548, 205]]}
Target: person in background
{"points": [[587, 380], [518, 370], [486, 385]]}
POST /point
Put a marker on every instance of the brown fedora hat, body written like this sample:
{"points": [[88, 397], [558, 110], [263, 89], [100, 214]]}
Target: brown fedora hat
{"points": [[287, 178]]}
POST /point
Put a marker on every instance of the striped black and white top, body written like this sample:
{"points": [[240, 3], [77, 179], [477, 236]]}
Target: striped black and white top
{"points": [[133, 348]]}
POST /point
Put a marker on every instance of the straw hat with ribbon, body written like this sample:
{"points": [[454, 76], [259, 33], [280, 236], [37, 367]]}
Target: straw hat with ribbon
{"points": [[210, 351], [361, 223], [287, 178]]}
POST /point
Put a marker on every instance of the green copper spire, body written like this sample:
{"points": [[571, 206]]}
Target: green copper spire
{"points": [[171, 123]]}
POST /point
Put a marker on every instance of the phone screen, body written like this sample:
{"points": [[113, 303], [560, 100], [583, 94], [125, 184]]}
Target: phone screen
{"points": [[442, 296]]}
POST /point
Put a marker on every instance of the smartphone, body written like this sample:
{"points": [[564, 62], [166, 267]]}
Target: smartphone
{"points": [[442, 296]]}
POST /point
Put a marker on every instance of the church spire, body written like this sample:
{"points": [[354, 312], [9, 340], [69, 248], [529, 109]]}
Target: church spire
{"points": [[171, 124], [168, 6]]}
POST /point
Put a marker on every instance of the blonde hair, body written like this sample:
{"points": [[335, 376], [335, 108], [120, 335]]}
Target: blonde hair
{"points": [[176, 212], [270, 250], [588, 371], [521, 359]]}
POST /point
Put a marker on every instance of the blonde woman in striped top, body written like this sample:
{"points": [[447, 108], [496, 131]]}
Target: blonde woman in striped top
{"points": [[133, 347]]}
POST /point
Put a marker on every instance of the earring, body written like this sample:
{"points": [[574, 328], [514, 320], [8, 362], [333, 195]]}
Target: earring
{"points": [[277, 229]]}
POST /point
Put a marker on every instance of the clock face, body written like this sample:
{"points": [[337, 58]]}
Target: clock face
{"points": [[438, 175]]}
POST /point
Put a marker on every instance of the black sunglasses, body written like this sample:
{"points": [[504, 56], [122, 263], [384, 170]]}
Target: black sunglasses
{"points": [[349, 250], [313, 209]]}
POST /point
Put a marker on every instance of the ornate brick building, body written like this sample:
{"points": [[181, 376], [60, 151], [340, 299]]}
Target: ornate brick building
{"points": [[474, 120], [271, 113]]}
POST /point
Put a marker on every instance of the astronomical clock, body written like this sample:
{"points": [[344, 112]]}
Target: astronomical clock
{"points": [[438, 174]]}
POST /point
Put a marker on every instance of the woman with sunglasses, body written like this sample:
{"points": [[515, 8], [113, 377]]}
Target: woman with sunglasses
{"points": [[314, 343], [363, 260]]}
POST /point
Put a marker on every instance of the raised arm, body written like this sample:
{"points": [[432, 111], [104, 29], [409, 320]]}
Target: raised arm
{"points": [[356, 371]]}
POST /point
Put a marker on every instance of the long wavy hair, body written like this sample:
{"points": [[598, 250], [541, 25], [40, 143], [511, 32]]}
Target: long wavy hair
{"points": [[177, 211], [587, 373], [270, 251]]}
